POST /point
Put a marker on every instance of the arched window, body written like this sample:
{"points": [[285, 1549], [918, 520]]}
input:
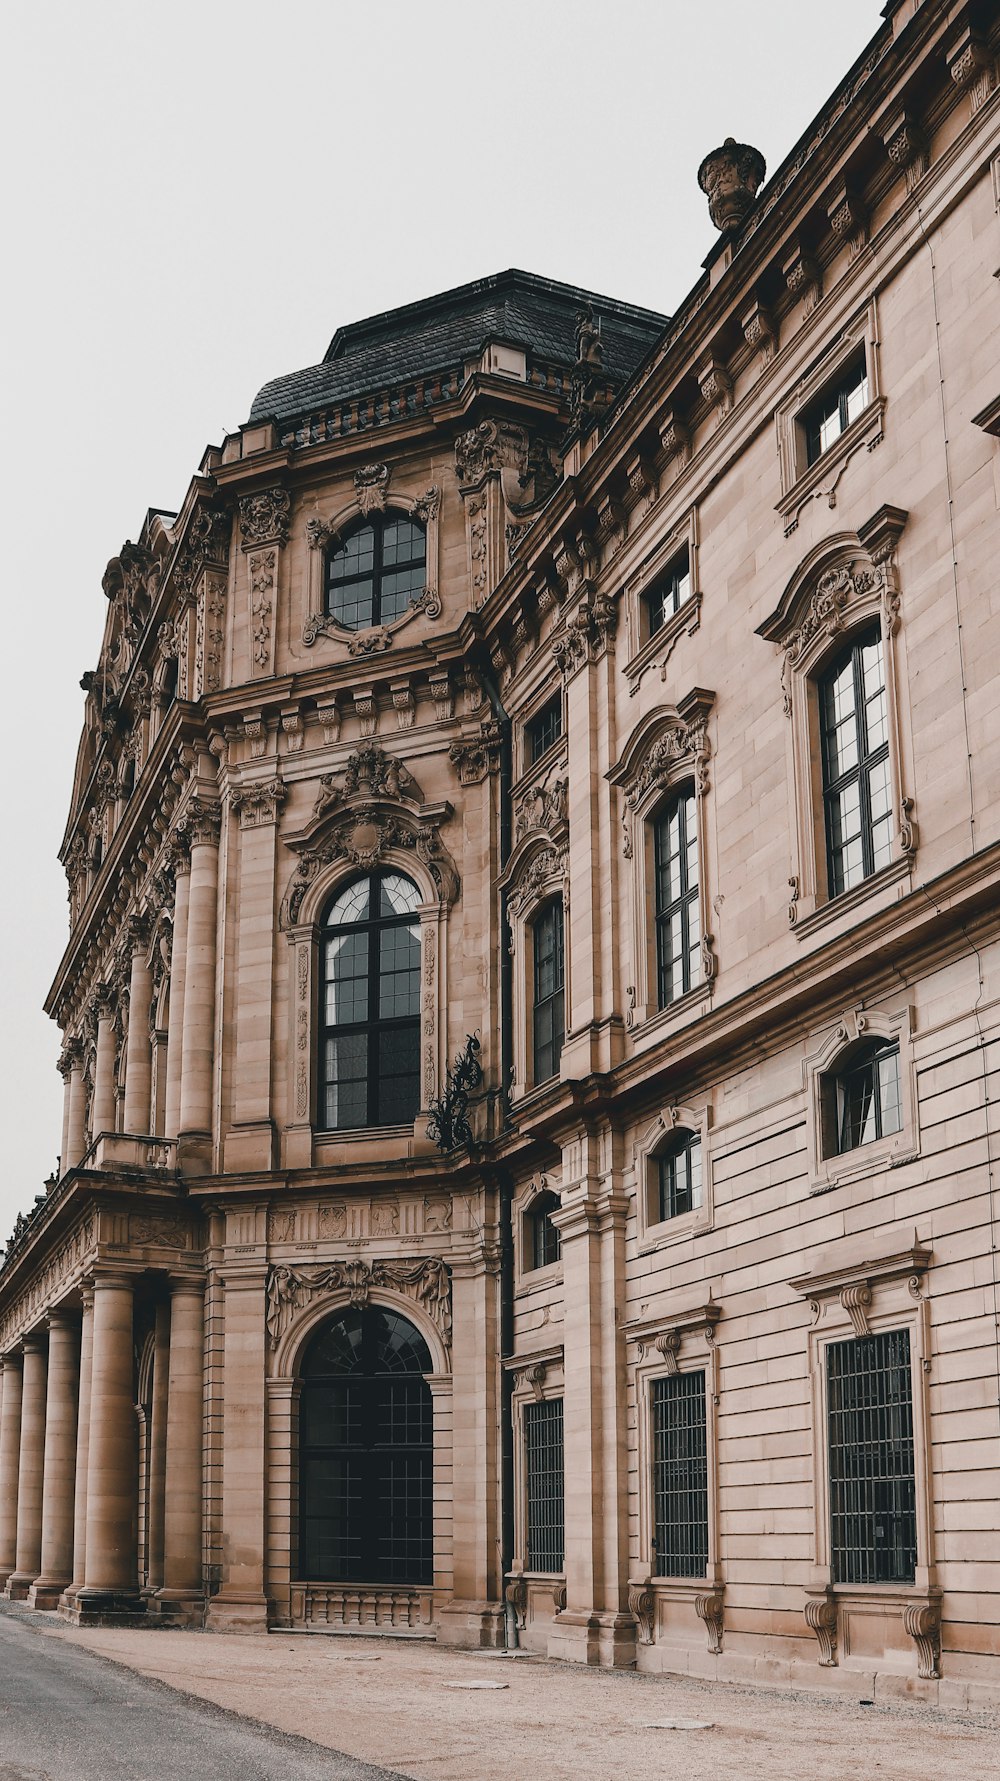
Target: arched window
{"points": [[862, 1098], [678, 1180], [549, 962], [678, 926], [376, 571], [370, 1016], [542, 1241], [857, 788], [366, 1452]]}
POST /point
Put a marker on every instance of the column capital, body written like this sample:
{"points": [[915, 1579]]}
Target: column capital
{"points": [[60, 1317], [11, 1359], [34, 1342], [187, 1283], [104, 1279], [87, 1295], [201, 823]]}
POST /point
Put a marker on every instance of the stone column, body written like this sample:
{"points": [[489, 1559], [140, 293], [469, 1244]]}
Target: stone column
{"points": [[182, 1531], [250, 1144], [158, 1451], [10, 1449], [199, 980], [102, 1118], [112, 1463], [82, 1445], [65, 1068], [138, 1054], [76, 1137], [241, 1604], [30, 1472], [178, 972], [474, 1617], [60, 1461]]}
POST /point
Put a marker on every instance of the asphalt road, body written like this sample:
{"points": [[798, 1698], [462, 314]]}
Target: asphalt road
{"points": [[66, 1715]]}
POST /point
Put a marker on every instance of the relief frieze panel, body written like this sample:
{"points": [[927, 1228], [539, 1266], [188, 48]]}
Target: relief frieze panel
{"points": [[425, 1279], [49, 1281]]}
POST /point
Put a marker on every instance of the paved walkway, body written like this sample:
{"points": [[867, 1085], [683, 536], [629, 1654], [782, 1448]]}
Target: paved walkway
{"points": [[395, 1704], [66, 1715]]}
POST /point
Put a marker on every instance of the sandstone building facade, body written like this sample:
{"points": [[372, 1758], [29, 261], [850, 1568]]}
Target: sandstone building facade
{"points": [[532, 1005]]}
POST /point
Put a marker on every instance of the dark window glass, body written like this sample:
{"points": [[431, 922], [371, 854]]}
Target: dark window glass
{"points": [[873, 1521], [832, 412], [543, 1464], [370, 1013], [679, 1176], [678, 925], [550, 989], [857, 793], [376, 571], [544, 729], [668, 593], [680, 1476], [543, 1238], [863, 1098], [366, 1451]]}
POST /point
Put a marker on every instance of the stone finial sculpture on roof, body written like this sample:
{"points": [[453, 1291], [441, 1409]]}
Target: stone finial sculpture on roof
{"points": [[730, 176]]}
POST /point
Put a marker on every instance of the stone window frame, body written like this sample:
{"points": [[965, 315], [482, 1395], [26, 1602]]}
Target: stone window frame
{"points": [[527, 1279], [537, 1378], [855, 1026], [644, 650], [537, 872], [306, 976], [669, 749], [323, 533], [801, 481], [845, 586], [681, 1340], [656, 1233], [866, 1286]]}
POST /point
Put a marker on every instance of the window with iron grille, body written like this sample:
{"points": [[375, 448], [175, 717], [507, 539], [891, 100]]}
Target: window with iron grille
{"points": [[857, 791], [370, 1015], [678, 922], [543, 729], [680, 1475], [376, 571], [366, 1452], [668, 593], [549, 1016], [544, 1243], [543, 1465], [833, 410], [863, 1099], [873, 1522], [679, 1176]]}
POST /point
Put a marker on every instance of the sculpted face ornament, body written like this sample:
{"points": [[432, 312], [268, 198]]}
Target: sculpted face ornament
{"points": [[730, 176]]}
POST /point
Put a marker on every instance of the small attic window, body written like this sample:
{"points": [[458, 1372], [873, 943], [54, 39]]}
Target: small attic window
{"points": [[505, 361]]}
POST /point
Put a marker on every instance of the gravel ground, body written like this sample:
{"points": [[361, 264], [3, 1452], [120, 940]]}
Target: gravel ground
{"points": [[390, 1703]]}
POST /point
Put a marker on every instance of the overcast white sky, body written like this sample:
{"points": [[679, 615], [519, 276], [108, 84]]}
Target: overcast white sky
{"points": [[198, 194]]}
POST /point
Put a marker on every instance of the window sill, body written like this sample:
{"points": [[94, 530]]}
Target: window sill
{"points": [[684, 622], [675, 1230], [821, 478], [848, 901], [652, 1026], [536, 1279], [866, 1160]]}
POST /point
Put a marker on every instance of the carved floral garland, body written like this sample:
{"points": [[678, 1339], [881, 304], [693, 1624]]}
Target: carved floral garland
{"points": [[291, 1289]]}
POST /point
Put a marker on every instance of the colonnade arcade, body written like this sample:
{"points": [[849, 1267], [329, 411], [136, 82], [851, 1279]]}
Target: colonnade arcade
{"points": [[101, 1411]]}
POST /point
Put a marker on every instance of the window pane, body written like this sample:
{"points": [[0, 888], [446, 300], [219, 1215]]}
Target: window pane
{"points": [[399, 895], [680, 1475], [346, 978], [873, 1530], [351, 905], [399, 972], [544, 1479], [398, 1074]]}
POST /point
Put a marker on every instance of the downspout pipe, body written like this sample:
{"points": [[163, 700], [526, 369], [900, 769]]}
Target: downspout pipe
{"points": [[506, 1186]]}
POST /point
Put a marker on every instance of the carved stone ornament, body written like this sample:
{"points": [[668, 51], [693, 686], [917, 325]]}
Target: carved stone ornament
{"points": [[972, 67], [370, 485], [730, 176], [716, 385], [848, 216], [922, 1623], [368, 773], [546, 868], [760, 331], [821, 1619], [157, 1230], [906, 147], [264, 517], [516, 1594], [205, 541], [544, 807], [488, 449], [426, 1281], [642, 1606], [824, 617], [710, 1608], [587, 634], [803, 277], [477, 756], [199, 822], [258, 805], [681, 739], [362, 833]]}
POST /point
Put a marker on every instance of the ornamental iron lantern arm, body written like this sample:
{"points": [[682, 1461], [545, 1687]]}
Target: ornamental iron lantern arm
{"points": [[448, 1125]]}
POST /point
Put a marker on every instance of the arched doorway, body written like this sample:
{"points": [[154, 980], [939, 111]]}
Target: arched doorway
{"points": [[366, 1452]]}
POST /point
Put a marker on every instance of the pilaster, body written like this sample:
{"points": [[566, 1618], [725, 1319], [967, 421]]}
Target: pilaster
{"points": [[198, 1041], [250, 1144], [183, 1577], [241, 1604], [473, 1617]]}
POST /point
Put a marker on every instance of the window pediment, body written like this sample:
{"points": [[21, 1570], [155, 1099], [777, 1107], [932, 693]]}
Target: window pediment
{"points": [[667, 744], [371, 497]]}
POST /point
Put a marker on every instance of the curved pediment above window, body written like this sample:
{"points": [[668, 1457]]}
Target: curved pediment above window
{"points": [[372, 507], [668, 745], [537, 869], [371, 813]]}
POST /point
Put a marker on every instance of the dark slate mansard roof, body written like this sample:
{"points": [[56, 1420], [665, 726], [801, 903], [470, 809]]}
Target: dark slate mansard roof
{"points": [[437, 333]]}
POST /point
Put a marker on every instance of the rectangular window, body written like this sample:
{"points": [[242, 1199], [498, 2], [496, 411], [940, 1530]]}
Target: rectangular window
{"points": [[873, 1522], [857, 791], [668, 593], [832, 412], [543, 729], [543, 1464], [680, 1476], [550, 990], [680, 1178], [678, 925]]}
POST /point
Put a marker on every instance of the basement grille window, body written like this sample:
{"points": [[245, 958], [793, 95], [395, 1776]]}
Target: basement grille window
{"points": [[873, 1524], [543, 1463], [680, 1476]]}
